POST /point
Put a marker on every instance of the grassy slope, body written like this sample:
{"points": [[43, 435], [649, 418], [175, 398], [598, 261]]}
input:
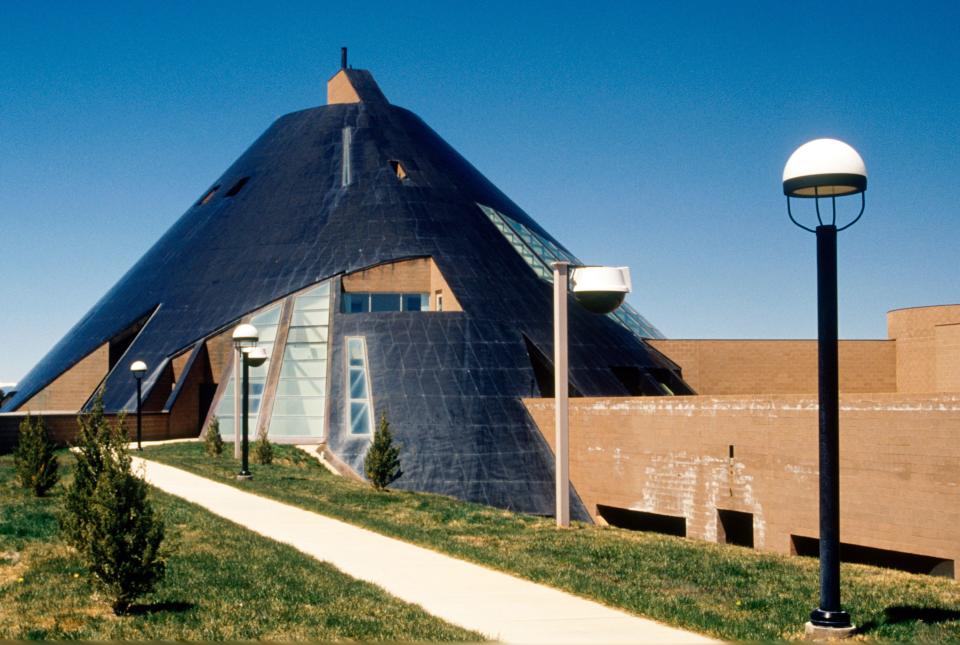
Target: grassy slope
{"points": [[222, 583], [727, 591]]}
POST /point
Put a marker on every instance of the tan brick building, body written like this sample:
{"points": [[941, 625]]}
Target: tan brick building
{"points": [[738, 461]]}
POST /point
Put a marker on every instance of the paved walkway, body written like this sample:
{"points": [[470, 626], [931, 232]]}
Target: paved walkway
{"points": [[495, 604]]}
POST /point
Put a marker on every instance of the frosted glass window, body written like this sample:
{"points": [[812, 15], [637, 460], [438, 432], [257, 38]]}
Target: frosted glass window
{"points": [[358, 392], [300, 402], [540, 254], [266, 323]]}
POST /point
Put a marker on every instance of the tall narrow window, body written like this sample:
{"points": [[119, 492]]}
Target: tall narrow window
{"points": [[345, 177], [266, 323], [359, 414], [300, 402]]}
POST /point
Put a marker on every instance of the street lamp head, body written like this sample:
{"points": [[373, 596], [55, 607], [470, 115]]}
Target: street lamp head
{"points": [[139, 368], [824, 168], [600, 289], [245, 335], [256, 356]]}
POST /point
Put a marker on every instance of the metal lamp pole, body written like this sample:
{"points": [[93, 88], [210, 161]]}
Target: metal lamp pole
{"points": [[245, 339], [139, 368], [820, 169], [599, 290], [244, 464], [560, 392]]}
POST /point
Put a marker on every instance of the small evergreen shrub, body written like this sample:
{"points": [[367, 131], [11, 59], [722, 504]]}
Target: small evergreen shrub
{"points": [[212, 441], [34, 459], [96, 441], [263, 450], [382, 463], [108, 517], [121, 535]]}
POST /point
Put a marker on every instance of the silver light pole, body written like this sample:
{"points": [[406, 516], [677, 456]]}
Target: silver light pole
{"points": [[599, 290]]}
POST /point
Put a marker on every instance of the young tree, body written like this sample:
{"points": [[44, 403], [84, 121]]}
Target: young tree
{"points": [[34, 459], [121, 536], [263, 450], [96, 441], [108, 517], [212, 441], [382, 463]]}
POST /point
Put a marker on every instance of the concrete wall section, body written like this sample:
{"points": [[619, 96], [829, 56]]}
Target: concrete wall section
{"points": [[779, 366], [900, 485]]}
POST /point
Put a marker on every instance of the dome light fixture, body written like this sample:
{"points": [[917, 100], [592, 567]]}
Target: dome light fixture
{"points": [[600, 289], [245, 335], [256, 356], [825, 168]]}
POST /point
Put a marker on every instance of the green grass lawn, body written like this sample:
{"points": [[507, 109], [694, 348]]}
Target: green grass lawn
{"points": [[222, 583], [726, 591]]}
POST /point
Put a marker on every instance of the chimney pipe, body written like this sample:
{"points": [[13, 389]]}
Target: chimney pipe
{"points": [[343, 58]]}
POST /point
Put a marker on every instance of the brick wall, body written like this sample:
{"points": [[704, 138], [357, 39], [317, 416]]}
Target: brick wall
{"points": [[779, 366], [416, 275], [915, 331], [900, 479], [63, 427], [947, 344], [71, 389]]}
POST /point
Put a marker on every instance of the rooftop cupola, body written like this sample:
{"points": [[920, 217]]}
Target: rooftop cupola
{"points": [[353, 85]]}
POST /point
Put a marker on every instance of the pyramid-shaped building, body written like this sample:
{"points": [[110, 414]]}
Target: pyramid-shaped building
{"points": [[386, 276]]}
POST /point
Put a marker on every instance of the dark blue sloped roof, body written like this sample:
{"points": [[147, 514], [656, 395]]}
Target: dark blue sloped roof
{"points": [[455, 404]]}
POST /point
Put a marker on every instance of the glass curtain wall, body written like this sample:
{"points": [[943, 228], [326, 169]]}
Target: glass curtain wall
{"points": [[266, 323], [540, 253], [300, 401]]}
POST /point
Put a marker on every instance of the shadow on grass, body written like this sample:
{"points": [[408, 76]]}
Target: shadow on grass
{"points": [[908, 613], [158, 607]]}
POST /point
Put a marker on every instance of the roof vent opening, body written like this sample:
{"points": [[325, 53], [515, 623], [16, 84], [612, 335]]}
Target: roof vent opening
{"points": [[398, 170], [207, 196], [237, 187]]}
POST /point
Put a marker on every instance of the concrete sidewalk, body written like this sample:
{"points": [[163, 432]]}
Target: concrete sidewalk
{"points": [[498, 605]]}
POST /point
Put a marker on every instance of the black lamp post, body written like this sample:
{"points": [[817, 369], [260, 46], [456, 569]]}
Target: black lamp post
{"points": [[245, 339], [139, 368], [827, 169]]}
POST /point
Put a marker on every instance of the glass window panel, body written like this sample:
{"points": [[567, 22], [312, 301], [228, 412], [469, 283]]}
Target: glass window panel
{"points": [[384, 302], [298, 406], [269, 317], [309, 318], [226, 427], [296, 426], [301, 387], [307, 351], [358, 383], [414, 301], [303, 369], [356, 303], [359, 418], [355, 351], [307, 335]]}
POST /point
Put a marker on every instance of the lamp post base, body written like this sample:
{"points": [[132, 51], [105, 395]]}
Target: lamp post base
{"points": [[244, 476], [813, 632]]}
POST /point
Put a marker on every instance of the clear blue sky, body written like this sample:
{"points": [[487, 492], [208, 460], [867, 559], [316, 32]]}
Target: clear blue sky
{"points": [[651, 135]]}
